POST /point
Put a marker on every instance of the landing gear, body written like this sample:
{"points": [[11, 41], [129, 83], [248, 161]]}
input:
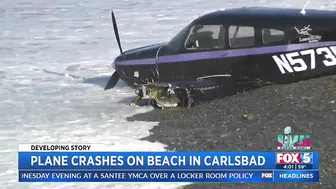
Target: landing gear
{"points": [[190, 102], [158, 96], [168, 96], [189, 98]]}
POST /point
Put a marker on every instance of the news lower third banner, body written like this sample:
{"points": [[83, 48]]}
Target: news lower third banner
{"points": [[94, 163]]}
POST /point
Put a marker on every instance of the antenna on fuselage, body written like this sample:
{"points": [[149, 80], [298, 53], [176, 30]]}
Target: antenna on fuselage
{"points": [[303, 11]]}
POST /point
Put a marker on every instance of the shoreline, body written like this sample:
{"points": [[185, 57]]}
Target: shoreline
{"points": [[250, 121]]}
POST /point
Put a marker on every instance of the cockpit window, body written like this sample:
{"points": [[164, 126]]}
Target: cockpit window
{"points": [[206, 37]]}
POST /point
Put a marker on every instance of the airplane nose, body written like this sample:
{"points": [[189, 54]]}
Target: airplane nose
{"points": [[116, 61], [113, 64]]}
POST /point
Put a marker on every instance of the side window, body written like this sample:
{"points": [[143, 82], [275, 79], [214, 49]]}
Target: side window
{"points": [[272, 35], [206, 37], [241, 36]]}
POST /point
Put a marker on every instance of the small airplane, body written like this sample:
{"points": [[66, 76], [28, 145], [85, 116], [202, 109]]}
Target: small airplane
{"points": [[239, 48]]}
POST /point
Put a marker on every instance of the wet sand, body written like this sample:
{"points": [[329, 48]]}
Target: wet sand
{"points": [[250, 121]]}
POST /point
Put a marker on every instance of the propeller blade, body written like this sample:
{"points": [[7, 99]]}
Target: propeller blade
{"points": [[112, 81], [116, 32]]}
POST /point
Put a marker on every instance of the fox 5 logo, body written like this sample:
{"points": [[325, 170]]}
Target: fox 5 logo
{"points": [[306, 157]]}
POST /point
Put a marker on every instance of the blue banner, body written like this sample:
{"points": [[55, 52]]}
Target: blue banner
{"points": [[170, 176], [165, 160]]}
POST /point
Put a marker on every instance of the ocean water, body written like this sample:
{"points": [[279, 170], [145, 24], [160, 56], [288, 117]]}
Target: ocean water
{"points": [[56, 58]]}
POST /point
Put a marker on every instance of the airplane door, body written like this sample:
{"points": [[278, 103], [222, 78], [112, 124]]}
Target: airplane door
{"points": [[167, 66], [245, 67]]}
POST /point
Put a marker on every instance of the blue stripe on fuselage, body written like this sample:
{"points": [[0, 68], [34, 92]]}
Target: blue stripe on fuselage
{"points": [[225, 53]]}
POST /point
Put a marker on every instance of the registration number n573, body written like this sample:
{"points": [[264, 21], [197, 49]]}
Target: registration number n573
{"points": [[293, 62]]}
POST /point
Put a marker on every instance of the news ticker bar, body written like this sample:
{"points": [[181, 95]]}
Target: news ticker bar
{"points": [[168, 160], [170, 176]]}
